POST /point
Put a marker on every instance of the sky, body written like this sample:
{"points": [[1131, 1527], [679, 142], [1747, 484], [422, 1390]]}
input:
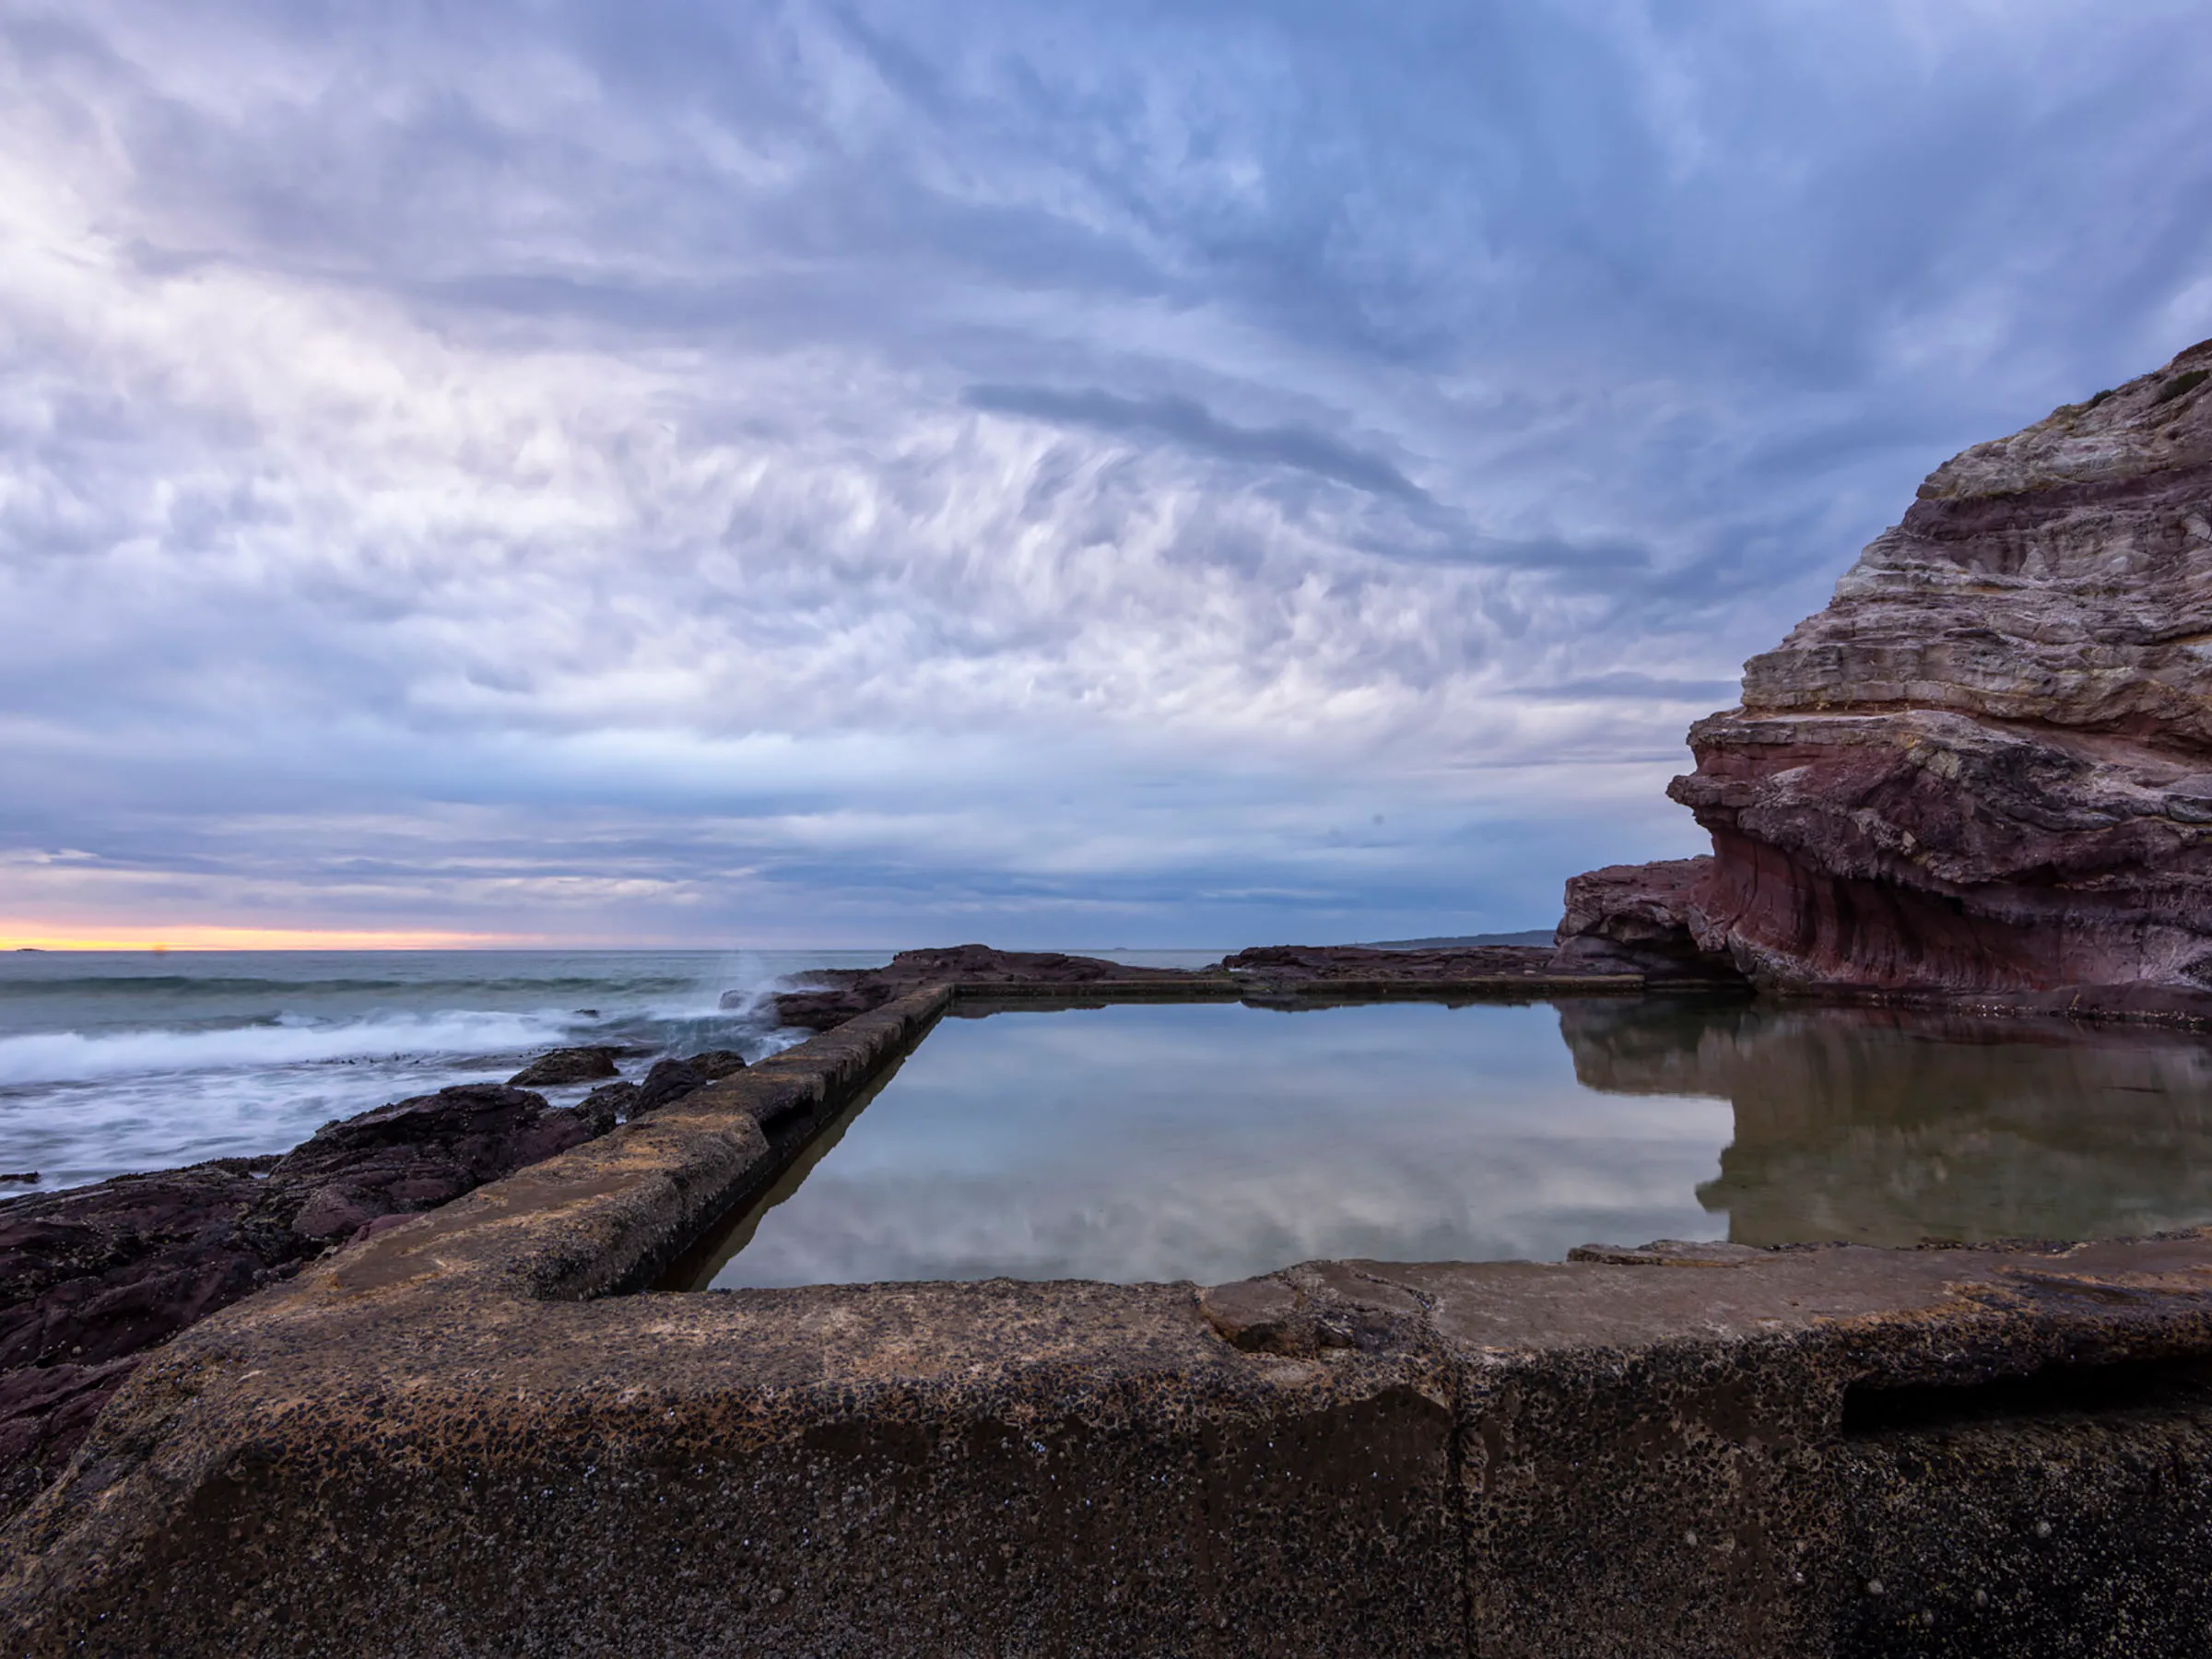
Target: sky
{"points": [[1055, 474]]}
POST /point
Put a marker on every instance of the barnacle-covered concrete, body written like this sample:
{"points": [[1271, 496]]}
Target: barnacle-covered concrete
{"points": [[460, 1437]]}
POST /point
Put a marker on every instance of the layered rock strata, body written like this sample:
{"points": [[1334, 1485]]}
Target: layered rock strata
{"points": [[1987, 765]]}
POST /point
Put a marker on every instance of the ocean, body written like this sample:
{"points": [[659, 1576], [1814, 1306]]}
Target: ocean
{"points": [[114, 1062]]}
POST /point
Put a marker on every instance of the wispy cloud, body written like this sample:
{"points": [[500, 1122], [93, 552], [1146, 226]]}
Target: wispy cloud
{"points": [[1188, 423]]}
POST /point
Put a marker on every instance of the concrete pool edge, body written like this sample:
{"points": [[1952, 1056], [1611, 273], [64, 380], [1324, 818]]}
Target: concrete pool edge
{"points": [[450, 1438]]}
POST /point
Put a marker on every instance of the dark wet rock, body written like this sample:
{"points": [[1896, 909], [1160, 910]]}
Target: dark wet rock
{"points": [[1668, 1252], [90, 1277], [71, 1262], [716, 1063], [45, 1412], [1986, 767], [414, 1155], [668, 1080], [606, 1105], [565, 1065], [1260, 1315], [93, 1276], [561, 1127], [829, 996]]}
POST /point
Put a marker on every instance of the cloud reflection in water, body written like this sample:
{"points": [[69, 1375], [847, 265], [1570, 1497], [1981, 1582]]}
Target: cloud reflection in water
{"points": [[1210, 1142]]}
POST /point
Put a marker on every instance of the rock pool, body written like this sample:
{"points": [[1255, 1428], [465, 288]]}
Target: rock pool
{"points": [[1211, 1141]]}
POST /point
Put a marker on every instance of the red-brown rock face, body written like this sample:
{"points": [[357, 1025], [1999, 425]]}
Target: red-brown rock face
{"points": [[1987, 765]]}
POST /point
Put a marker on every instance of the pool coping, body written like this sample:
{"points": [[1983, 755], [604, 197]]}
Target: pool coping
{"points": [[457, 1436]]}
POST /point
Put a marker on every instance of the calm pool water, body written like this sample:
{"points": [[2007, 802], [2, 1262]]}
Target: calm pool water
{"points": [[1213, 1141]]}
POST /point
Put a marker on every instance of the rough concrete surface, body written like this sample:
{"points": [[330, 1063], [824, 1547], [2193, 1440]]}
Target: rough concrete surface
{"points": [[458, 1436], [92, 1276]]}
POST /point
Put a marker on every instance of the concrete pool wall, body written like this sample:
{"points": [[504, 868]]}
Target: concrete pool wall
{"points": [[458, 1437]]}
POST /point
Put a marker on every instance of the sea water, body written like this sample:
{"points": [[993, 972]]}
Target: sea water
{"points": [[114, 1062]]}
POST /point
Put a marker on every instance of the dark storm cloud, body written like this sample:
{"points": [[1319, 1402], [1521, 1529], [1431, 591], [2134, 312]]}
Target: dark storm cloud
{"points": [[876, 470]]}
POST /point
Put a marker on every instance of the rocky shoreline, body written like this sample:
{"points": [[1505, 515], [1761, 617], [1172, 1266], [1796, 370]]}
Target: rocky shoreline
{"points": [[93, 1278], [458, 1436], [1981, 778], [829, 996], [1985, 770]]}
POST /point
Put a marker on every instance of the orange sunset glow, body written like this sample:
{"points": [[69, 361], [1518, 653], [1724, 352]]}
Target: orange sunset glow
{"points": [[47, 935]]}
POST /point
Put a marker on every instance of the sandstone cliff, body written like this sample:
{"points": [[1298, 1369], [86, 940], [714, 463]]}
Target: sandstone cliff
{"points": [[1987, 765]]}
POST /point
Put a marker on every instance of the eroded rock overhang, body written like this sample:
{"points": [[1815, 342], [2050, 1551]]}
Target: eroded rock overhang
{"points": [[460, 1436], [1985, 768]]}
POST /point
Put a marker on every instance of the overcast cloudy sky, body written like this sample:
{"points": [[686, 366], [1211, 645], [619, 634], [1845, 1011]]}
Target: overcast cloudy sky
{"points": [[1050, 473]]}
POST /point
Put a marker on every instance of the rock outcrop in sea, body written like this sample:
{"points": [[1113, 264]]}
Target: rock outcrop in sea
{"points": [[1986, 767]]}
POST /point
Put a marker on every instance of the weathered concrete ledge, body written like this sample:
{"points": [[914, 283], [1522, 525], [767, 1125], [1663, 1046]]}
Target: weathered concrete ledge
{"points": [[451, 1439]]}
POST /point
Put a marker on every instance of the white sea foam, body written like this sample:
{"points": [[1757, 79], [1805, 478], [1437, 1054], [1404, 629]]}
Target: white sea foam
{"points": [[124, 1062], [70, 1056]]}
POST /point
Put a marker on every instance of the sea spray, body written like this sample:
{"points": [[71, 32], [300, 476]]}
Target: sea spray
{"points": [[114, 1062], [287, 1040]]}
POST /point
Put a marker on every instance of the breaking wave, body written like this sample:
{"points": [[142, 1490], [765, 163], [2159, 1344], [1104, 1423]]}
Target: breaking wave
{"points": [[71, 1057], [151, 984]]}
